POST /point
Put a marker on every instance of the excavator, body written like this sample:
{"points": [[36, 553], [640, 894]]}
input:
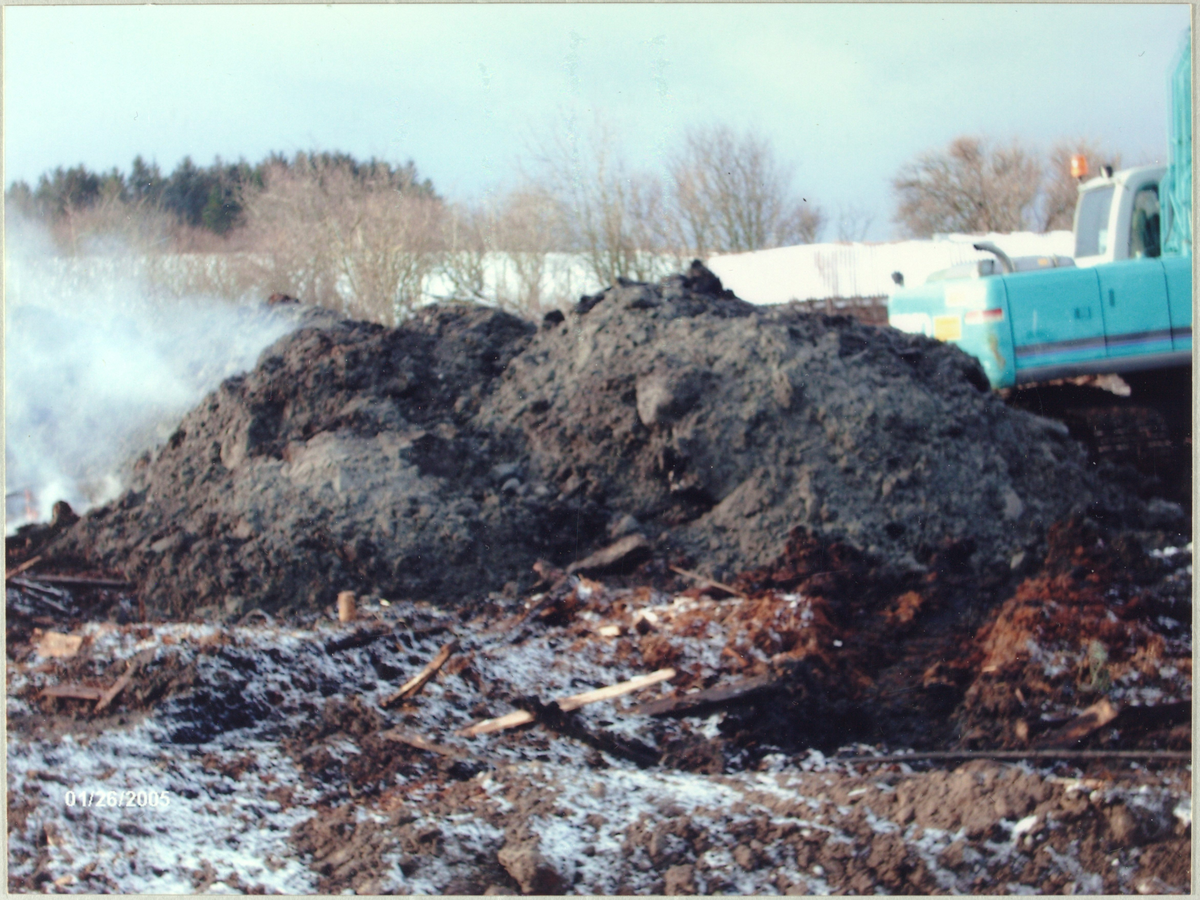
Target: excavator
{"points": [[1102, 340]]}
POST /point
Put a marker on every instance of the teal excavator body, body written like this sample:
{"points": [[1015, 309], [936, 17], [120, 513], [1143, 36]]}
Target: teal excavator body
{"points": [[1122, 305]]}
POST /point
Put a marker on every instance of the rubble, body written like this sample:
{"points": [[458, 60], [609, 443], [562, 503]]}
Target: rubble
{"points": [[287, 772]]}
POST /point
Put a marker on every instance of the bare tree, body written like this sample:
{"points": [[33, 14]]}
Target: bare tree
{"points": [[610, 213], [730, 193], [972, 186], [361, 244], [497, 251], [112, 224], [468, 240], [286, 224], [1060, 190], [526, 232]]}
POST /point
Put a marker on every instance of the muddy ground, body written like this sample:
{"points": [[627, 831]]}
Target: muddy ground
{"points": [[835, 537], [288, 770]]}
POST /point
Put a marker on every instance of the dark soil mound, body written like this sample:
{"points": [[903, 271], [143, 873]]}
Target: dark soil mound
{"points": [[440, 459], [345, 460], [719, 426]]}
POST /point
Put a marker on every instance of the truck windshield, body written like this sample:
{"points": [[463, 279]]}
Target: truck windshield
{"points": [[1091, 222]]}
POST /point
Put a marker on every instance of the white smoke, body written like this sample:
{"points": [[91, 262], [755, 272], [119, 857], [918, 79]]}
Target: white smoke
{"points": [[96, 370]]}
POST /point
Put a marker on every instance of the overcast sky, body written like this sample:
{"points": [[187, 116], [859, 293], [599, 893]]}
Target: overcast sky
{"points": [[846, 94]]}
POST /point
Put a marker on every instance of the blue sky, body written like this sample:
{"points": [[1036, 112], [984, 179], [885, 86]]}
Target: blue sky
{"points": [[846, 93]]}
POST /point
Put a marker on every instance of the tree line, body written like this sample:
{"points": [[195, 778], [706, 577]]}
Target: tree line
{"points": [[978, 185], [364, 236]]}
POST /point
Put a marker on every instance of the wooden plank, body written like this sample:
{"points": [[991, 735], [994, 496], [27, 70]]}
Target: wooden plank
{"points": [[552, 716], [487, 726], [413, 686], [111, 693], [607, 693], [28, 564], [38, 594], [54, 643], [566, 704], [700, 701], [705, 580], [1090, 720]]}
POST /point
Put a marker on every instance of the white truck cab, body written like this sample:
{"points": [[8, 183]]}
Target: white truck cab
{"points": [[1118, 216]]}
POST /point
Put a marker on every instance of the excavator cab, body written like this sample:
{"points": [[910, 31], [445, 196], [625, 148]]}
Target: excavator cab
{"points": [[1144, 229]]}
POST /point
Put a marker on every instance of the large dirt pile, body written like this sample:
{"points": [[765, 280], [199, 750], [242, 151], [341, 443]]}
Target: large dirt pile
{"points": [[439, 460]]}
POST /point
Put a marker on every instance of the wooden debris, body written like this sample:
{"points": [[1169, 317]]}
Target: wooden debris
{"points": [[562, 599], [63, 646], [41, 594], [84, 582], [610, 631], [566, 704], [702, 701], [28, 564], [345, 606], [708, 582], [621, 555], [413, 686], [616, 690], [1090, 720], [415, 740], [74, 691], [111, 693], [549, 573]]}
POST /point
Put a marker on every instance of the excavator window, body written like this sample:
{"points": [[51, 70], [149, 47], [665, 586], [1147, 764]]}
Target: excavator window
{"points": [[1144, 229], [1091, 221]]}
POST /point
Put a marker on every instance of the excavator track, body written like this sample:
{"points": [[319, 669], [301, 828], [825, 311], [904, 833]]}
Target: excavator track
{"points": [[1148, 425]]}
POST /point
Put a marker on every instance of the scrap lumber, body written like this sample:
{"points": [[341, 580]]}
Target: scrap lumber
{"points": [[413, 686], [415, 740], [1090, 720], [709, 582], [111, 693], [84, 582], [74, 691], [541, 610], [346, 607], [54, 643], [40, 594], [567, 704], [618, 556], [616, 690], [702, 701], [28, 564]]}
